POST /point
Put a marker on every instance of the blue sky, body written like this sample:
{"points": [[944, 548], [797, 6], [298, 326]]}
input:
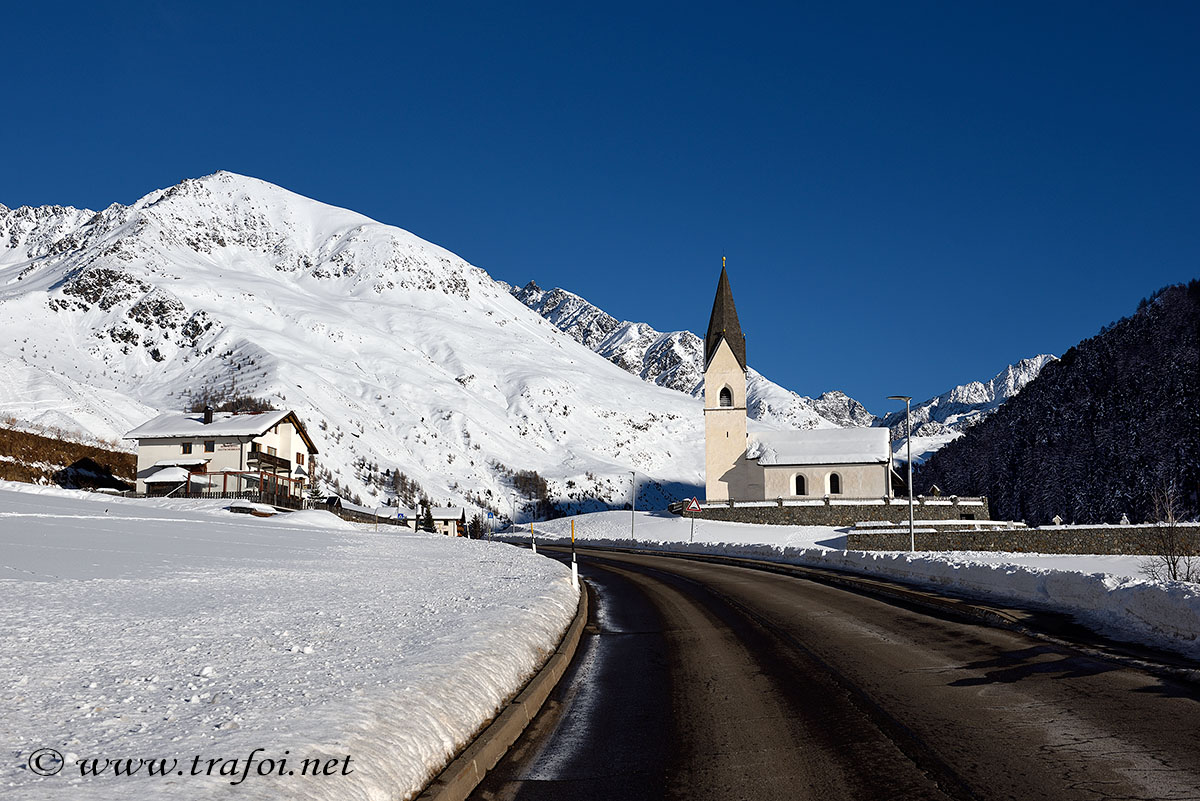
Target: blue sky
{"points": [[910, 195]]}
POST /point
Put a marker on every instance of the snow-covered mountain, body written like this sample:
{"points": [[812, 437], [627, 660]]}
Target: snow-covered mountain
{"points": [[940, 420], [396, 352], [676, 360]]}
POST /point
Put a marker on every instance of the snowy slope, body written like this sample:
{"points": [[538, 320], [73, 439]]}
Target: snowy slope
{"points": [[167, 629], [676, 360], [394, 351]]}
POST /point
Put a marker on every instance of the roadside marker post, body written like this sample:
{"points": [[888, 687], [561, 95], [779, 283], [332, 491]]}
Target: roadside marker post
{"points": [[532, 538], [574, 564]]}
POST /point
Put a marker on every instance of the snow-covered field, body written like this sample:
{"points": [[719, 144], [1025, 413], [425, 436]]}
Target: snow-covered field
{"points": [[149, 630], [1107, 593]]}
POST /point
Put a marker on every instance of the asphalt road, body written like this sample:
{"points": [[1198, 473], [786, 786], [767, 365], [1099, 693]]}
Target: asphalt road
{"points": [[708, 681]]}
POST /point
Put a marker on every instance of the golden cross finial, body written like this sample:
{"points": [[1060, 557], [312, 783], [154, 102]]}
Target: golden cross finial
{"points": [[722, 261]]}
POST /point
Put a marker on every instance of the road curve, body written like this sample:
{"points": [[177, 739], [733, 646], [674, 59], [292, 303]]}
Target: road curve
{"points": [[711, 681]]}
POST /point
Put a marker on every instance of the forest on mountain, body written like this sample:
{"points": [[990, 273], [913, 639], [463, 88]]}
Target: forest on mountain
{"points": [[1098, 433]]}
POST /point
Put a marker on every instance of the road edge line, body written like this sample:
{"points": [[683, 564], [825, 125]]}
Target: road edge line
{"points": [[464, 773]]}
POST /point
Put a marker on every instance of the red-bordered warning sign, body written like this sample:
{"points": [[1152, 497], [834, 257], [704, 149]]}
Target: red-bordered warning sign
{"points": [[694, 506]]}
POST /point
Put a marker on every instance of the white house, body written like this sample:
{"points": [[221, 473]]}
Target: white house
{"points": [[818, 463], [260, 454], [450, 521]]}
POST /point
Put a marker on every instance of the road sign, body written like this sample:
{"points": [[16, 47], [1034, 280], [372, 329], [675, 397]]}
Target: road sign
{"points": [[489, 515], [694, 506]]}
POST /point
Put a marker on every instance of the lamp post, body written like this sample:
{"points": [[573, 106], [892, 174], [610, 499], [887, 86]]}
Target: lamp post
{"points": [[633, 504], [912, 537]]}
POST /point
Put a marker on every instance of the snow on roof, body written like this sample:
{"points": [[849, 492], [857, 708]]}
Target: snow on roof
{"points": [[820, 446], [168, 475], [191, 424], [448, 512], [180, 462]]}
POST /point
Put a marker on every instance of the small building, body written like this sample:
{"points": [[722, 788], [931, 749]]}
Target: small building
{"points": [[450, 521], [261, 455]]}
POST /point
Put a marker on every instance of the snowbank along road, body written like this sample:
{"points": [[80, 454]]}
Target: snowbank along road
{"points": [[714, 681]]}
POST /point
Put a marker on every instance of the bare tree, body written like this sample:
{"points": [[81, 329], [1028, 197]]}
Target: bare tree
{"points": [[1177, 547]]}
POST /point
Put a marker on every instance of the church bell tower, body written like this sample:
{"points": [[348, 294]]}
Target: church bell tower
{"points": [[724, 395]]}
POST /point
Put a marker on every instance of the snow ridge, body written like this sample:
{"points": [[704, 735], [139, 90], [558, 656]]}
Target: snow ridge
{"points": [[676, 360], [954, 411]]}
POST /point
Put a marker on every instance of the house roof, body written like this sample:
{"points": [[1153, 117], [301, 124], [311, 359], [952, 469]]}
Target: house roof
{"points": [[191, 425], [448, 512], [821, 446], [723, 324]]}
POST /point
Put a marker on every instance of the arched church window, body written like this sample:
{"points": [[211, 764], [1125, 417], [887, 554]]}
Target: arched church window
{"points": [[726, 397], [801, 488], [835, 484]]}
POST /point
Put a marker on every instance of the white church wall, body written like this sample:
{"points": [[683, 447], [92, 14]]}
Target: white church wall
{"points": [[858, 480]]}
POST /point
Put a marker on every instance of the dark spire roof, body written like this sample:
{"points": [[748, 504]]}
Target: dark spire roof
{"points": [[723, 324]]}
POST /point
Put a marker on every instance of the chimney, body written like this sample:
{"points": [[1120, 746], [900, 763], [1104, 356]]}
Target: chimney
{"points": [[207, 415]]}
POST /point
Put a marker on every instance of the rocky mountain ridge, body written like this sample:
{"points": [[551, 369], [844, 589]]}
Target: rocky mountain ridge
{"points": [[675, 359]]}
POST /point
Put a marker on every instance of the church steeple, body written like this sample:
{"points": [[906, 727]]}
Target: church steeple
{"points": [[724, 323]]}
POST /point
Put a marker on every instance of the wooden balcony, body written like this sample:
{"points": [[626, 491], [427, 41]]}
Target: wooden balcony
{"points": [[268, 463]]}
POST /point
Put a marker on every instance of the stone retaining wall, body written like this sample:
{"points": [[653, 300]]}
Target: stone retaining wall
{"points": [[836, 513], [1131, 540]]}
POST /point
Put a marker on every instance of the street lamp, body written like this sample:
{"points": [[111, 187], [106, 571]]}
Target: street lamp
{"points": [[912, 537], [633, 505]]}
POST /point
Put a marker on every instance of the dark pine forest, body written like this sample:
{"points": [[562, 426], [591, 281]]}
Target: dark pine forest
{"points": [[1097, 433]]}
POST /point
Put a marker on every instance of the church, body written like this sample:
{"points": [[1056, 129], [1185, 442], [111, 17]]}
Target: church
{"points": [[848, 463]]}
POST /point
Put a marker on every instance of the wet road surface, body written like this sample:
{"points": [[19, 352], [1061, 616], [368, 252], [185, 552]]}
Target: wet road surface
{"points": [[709, 681]]}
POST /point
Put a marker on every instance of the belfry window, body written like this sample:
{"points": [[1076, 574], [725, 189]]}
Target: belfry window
{"points": [[835, 484], [801, 489], [726, 397]]}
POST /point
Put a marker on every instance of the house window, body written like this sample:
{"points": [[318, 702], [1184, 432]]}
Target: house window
{"points": [[299, 458], [801, 488], [271, 451], [835, 484], [185, 447], [210, 445], [726, 397]]}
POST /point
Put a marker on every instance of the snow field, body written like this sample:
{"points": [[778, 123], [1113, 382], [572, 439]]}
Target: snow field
{"points": [[1106, 593], [168, 629]]}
